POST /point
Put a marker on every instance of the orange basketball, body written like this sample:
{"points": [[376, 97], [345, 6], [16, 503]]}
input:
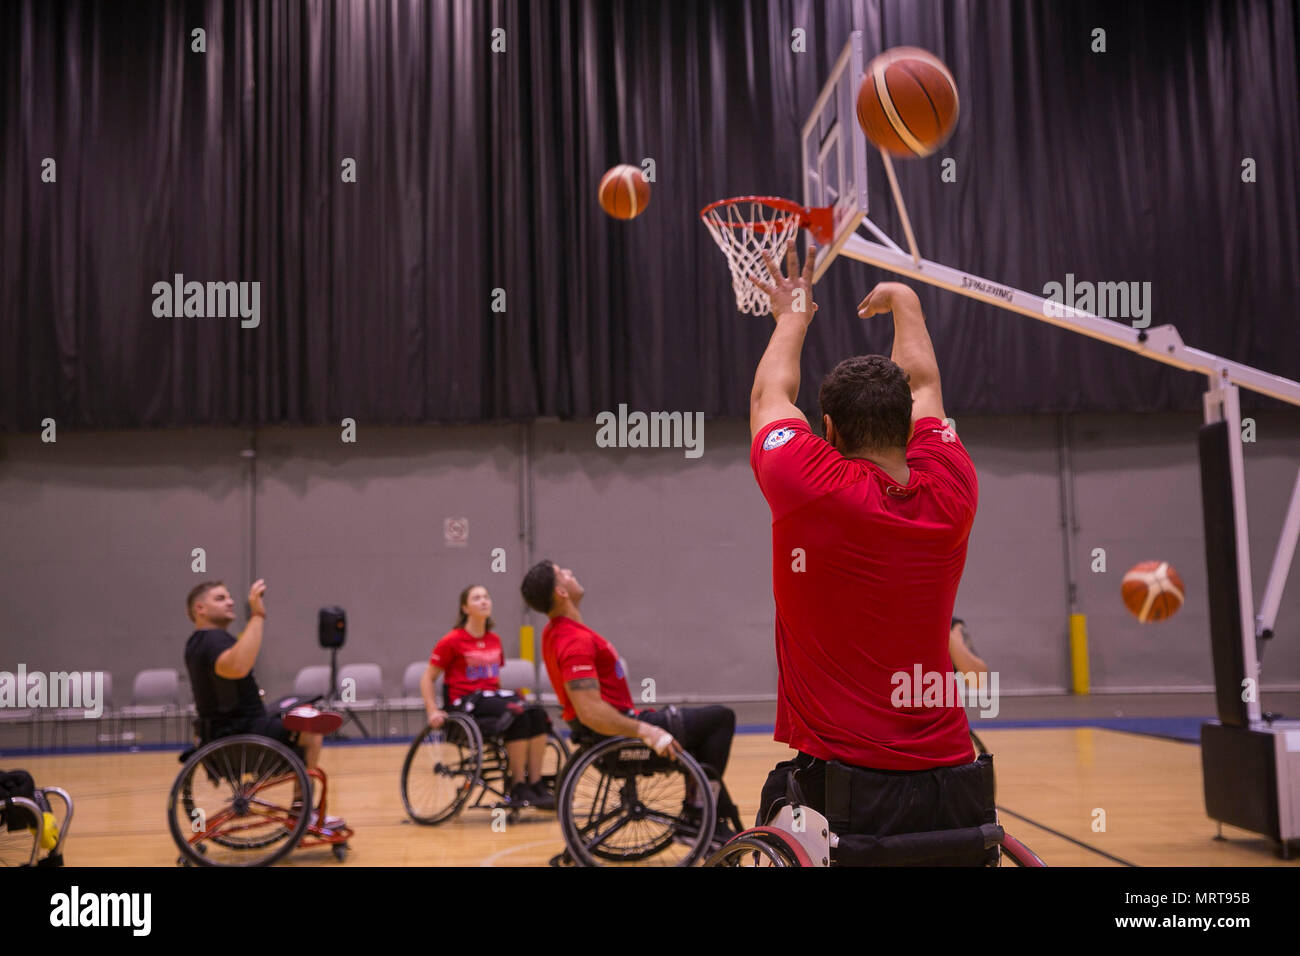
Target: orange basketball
{"points": [[1152, 590], [624, 192], [907, 104]]}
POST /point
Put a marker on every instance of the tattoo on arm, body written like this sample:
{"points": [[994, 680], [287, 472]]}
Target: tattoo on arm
{"points": [[583, 683]]}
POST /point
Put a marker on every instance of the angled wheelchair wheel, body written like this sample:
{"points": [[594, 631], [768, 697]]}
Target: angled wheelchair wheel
{"points": [[754, 848], [621, 804], [239, 801], [441, 770], [553, 761], [1020, 854]]}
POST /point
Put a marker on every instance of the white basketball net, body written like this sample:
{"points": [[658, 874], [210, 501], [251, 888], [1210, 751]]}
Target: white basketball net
{"points": [[744, 231]]}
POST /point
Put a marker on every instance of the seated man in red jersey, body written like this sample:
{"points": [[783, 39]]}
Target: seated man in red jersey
{"points": [[471, 657], [869, 533], [588, 679]]}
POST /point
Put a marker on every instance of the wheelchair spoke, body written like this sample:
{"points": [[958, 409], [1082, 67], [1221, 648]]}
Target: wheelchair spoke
{"points": [[601, 837]]}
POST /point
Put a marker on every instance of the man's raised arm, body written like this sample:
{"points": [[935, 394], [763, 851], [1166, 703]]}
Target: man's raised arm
{"points": [[776, 381], [913, 350]]}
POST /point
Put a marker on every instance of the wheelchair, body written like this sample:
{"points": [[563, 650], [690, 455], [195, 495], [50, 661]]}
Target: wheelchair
{"points": [[446, 767], [246, 800], [620, 803], [798, 836], [29, 827]]}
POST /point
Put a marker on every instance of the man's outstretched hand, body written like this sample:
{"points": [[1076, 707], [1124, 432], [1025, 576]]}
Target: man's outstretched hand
{"points": [[791, 295]]}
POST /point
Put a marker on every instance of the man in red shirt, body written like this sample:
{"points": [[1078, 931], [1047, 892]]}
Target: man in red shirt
{"points": [[588, 678], [869, 532]]}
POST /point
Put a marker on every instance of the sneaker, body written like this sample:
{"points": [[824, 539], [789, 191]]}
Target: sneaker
{"points": [[543, 799], [521, 796], [329, 823], [722, 832]]}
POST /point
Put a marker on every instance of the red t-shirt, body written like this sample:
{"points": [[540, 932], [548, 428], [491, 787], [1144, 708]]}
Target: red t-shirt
{"points": [[869, 595], [573, 651], [468, 663]]}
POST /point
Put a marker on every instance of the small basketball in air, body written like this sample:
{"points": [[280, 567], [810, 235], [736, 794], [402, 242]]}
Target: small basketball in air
{"points": [[1152, 591], [624, 192], [907, 103]]}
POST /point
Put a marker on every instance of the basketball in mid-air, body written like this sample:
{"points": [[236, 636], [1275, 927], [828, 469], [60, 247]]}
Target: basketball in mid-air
{"points": [[1152, 590], [907, 103], [624, 192]]}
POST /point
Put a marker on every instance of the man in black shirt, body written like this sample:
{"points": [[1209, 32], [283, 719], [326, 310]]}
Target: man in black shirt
{"points": [[226, 694]]}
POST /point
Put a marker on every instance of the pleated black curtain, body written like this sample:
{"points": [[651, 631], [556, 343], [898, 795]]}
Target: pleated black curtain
{"points": [[468, 273]]}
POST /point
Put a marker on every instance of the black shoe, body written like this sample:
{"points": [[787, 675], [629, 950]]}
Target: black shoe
{"points": [[542, 798], [521, 796], [722, 833]]}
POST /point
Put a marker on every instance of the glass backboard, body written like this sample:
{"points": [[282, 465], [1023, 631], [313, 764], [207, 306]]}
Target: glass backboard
{"points": [[835, 152]]}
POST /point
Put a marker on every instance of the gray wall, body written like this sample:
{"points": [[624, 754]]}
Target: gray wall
{"points": [[98, 530]]}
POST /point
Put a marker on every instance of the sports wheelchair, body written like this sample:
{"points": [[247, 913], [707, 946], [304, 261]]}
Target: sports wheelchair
{"points": [[28, 824], [246, 800], [446, 766], [621, 803], [797, 835]]}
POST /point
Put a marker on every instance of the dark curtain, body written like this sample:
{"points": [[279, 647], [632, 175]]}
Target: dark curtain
{"points": [[477, 171]]}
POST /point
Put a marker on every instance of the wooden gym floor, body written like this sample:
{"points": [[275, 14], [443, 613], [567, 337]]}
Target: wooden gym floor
{"points": [[1051, 785]]}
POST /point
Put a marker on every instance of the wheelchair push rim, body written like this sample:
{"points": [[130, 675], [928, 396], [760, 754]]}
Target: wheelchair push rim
{"points": [[239, 801], [620, 804], [441, 770], [757, 848]]}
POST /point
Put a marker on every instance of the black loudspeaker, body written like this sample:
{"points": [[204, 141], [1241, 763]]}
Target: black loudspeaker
{"points": [[333, 627]]}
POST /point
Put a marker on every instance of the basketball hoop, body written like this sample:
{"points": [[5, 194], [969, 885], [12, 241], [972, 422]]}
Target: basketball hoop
{"points": [[748, 227]]}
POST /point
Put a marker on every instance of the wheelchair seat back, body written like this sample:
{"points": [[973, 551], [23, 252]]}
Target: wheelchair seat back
{"points": [[943, 816]]}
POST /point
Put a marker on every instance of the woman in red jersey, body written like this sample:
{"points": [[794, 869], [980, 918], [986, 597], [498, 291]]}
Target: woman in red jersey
{"points": [[469, 657]]}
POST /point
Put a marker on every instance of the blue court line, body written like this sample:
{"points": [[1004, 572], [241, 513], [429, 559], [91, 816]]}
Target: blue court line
{"points": [[1181, 729]]}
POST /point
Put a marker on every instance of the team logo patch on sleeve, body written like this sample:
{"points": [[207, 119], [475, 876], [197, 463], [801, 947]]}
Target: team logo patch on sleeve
{"points": [[777, 438]]}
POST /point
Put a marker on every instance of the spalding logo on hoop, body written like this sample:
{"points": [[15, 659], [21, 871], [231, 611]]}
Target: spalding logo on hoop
{"points": [[777, 438]]}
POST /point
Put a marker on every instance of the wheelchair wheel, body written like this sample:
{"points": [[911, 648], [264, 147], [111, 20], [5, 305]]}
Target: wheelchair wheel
{"points": [[19, 846], [239, 801], [1020, 854], [755, 849], [619, 803], [441, 770], [553, 761]]}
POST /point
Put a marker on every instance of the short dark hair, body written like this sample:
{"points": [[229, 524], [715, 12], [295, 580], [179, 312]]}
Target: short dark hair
{"points": [[538, 588], [198, 591], [869, 402]]}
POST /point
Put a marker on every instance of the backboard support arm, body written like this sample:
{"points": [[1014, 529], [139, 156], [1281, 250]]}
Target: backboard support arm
{"points": [[1162, 344]]}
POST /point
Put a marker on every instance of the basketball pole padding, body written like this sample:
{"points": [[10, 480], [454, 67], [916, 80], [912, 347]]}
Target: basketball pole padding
{"points": [[1079, 653]]}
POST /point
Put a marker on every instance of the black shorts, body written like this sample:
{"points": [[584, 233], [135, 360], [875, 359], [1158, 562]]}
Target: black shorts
{"points": [[858, 802], [510, 718], [268, 725]]}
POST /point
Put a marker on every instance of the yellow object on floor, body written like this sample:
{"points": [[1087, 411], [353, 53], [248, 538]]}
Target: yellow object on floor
{"points": [[50, 834]]}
